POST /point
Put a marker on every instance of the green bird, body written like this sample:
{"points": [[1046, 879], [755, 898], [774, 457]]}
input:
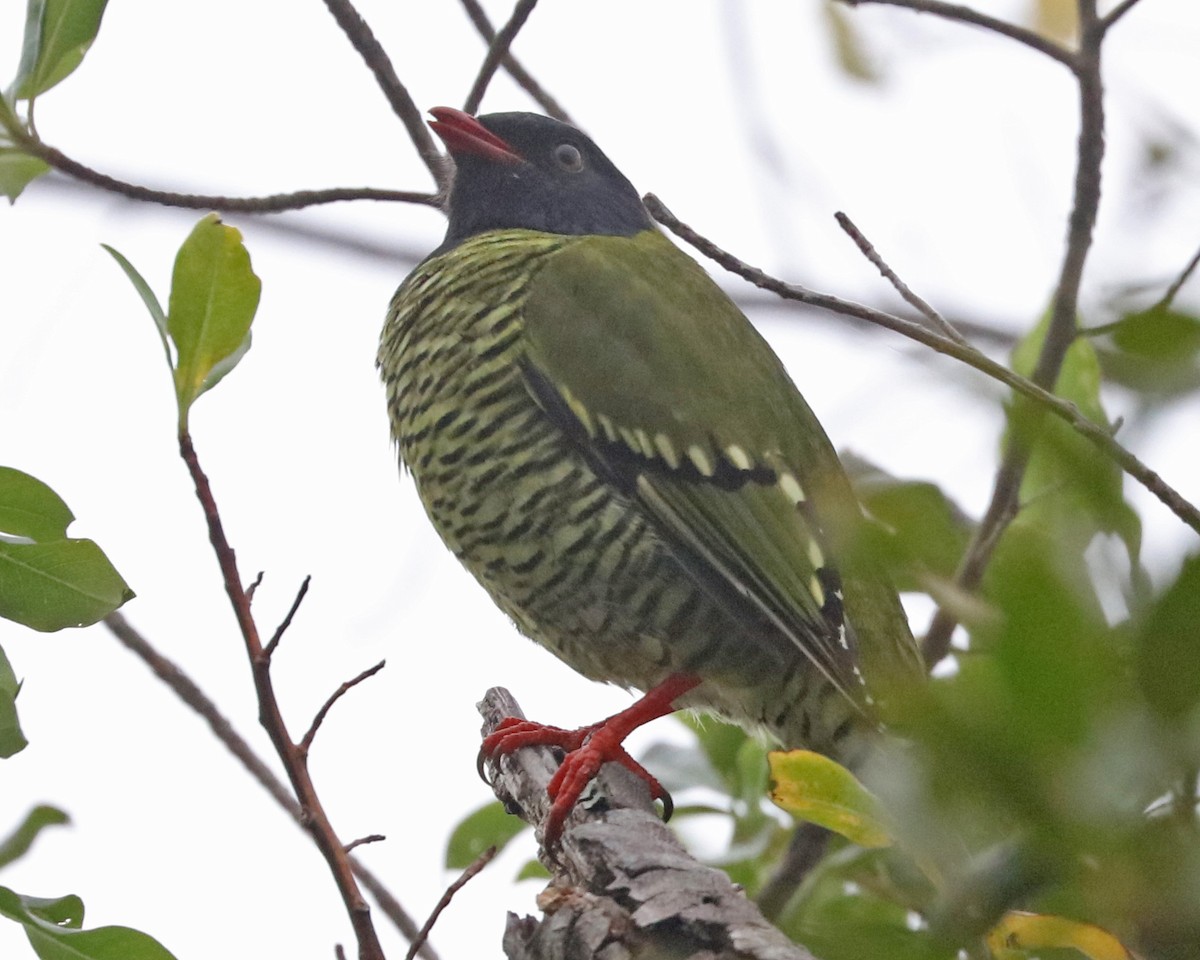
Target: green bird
{"points": [[613, 451]]}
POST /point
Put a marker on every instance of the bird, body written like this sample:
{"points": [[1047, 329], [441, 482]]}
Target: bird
{"points": [[606, 443]]}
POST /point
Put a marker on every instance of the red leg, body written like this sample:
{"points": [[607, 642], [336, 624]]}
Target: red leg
{"points": [[589, 747]]}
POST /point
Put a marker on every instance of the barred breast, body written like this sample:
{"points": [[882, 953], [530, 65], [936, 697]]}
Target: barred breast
{"points": [[575, 563]]}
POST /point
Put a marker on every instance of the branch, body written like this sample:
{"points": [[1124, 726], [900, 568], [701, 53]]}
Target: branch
{"points": [[306, 742], [961, 14], [622, 884], [376, 59], [479, 863], [499, 47], [1060, 334], [1117, 13], [273, 203], [510, 63], [1173, 290], [936, 320], [313, 814], [269, 649], [1063, 409], [185, 688]]}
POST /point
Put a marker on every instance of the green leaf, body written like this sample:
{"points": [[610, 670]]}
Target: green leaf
{"points": [[1154, 352], [813, 787], [29, 508], [1071, 489], [12, 740], [67, 583], [53, 930], [48, 581], [157, 314], [17, 843], [489, 826], [925, 531], [533, 870], [1168, 647], [214, 295], [17, 169], [57, 35]]}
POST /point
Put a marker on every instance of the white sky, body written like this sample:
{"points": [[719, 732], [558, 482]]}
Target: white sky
{"points": [[958, 168]]}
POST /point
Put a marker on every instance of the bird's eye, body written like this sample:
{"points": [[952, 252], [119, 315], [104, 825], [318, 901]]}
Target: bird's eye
{"points": [[568, 157]]}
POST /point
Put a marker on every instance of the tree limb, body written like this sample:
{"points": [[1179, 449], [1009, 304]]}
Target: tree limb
{"points": [[312, 812], [523, 77], [1063, 409], [496, 51], [962, 14], [622, 885], [377, 60]]}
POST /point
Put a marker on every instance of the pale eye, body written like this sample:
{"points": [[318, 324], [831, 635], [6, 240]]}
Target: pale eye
{"points": [[568, 157]]}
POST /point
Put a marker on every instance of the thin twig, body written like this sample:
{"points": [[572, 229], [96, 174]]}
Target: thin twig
{"points": [[334, 697], [1169, 297], [496, 51], [254, 585], [313, 814], [186, 689], [961, 14], [1061, 331], [269, 649], [479, 863], [936, 320], [1060, 334], [273, 203], [376, 59], [510, 63], [369, 838], [1116, 13], [1063, 409]]}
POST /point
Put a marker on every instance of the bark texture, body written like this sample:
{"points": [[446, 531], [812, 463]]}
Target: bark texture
{"points": [[622, 886]]}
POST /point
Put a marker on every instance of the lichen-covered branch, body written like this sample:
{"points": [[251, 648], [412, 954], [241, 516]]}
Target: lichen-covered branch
{"points": [[622, 885]]}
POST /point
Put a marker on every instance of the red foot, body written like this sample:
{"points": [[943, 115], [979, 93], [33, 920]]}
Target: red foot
{"points": [[588, 748]]}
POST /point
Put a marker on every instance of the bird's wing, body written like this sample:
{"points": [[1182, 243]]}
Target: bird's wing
{"points": [[675, 398]]}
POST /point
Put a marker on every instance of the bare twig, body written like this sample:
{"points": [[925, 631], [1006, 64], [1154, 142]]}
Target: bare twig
{"points": [[936, 320], [1063, 409], [1117, 13], [496, 51], [313, 814], [369, 838], [510, 63], [962, 14], [306, 742], [376, 59], [273, 203], [187, 691], [1060, 334], [269, 649], [254, 585], [1172, 291], [478, 864]]}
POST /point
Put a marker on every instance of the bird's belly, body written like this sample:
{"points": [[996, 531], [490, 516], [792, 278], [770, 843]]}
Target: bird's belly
{"points": [[582, 571]]}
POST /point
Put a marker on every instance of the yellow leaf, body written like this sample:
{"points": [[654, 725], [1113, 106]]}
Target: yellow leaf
{"points": [[1020, 931], [812, 787], [1056, 19]]}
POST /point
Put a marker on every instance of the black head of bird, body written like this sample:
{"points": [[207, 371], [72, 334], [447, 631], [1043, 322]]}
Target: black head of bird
{"points": [[524, 171]]}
